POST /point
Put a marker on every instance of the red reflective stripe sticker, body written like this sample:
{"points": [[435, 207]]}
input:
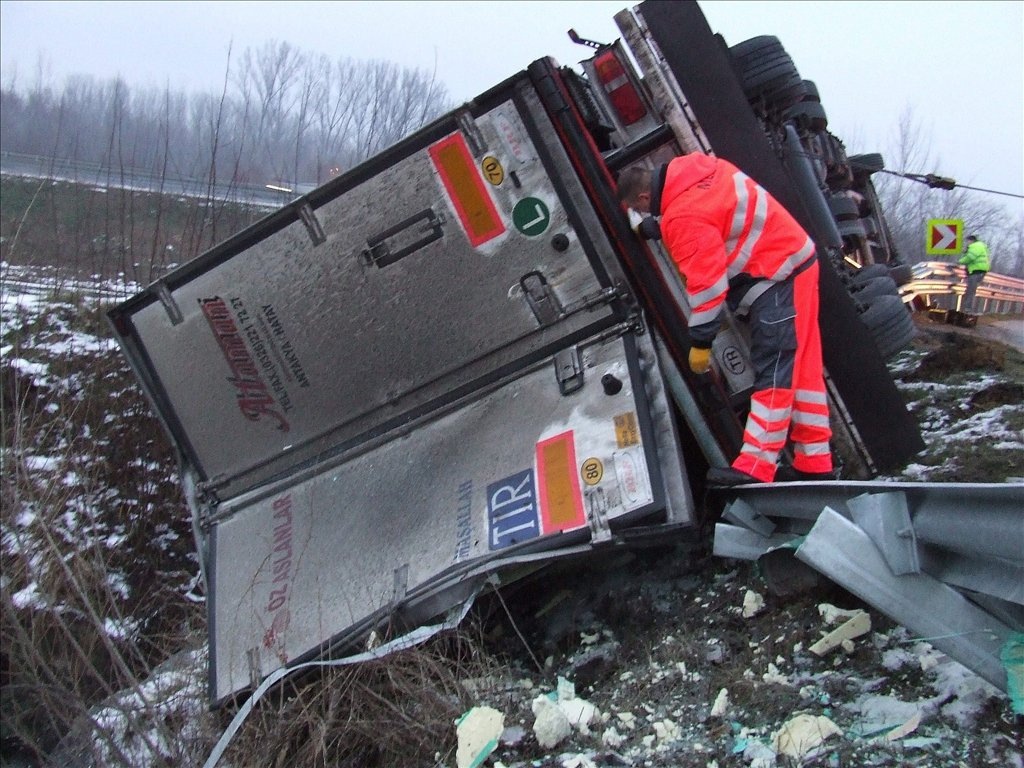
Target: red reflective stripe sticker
{"points": [[466, 189], [558, 484]]}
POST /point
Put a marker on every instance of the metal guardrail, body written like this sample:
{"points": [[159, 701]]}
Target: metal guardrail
{"points": [[941, 285], [106, 176]]}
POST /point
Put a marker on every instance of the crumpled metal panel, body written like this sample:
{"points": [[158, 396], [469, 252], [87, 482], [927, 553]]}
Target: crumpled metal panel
{"points": [[839, 549]]}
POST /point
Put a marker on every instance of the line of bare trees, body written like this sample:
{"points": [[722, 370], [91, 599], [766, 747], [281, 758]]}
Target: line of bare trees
{"points": [[910, 204], [282, 114]]}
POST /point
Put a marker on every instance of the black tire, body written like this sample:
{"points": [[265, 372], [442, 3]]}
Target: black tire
{"points": [[875, 287], [869, 163], [843, 208], [767, 72], [811, 91], [869, 272], [808, 116], [901, 273], [851, 228], [890, 324]]}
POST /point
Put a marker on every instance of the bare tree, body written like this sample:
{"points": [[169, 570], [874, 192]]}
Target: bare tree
{"points": [[909, 204]]}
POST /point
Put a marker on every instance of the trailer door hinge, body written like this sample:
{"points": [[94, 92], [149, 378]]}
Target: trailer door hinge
{"points": [[541, 298]]}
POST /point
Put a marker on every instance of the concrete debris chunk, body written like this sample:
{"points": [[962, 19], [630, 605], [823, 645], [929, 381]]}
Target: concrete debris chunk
{"points": [[550, 726], [721, 705], [612, 738], [859, 624], [478, 731], [830, 614], [753, 603], [800, 737], [667, 730]]}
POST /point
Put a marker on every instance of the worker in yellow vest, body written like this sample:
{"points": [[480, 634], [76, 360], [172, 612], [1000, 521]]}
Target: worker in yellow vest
{"points": [[975, 263]]}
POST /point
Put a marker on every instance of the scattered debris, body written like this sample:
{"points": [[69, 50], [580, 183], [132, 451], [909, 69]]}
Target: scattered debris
{"points": [[843, 635], [478, 731], [753, 604], [721, 705], [801, 736]]}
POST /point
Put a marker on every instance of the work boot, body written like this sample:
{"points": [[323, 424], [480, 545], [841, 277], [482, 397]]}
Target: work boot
{"points": [[727, 477], [787, 474]]}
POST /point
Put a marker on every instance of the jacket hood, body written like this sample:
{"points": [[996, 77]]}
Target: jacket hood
{"points": [[679, 175]]}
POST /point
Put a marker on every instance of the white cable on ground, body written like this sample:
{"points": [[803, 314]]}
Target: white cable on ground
{"points": [[416, 637]]}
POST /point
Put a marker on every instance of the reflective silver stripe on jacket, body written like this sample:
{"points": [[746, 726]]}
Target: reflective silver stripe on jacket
{"points": [[756, 226], [794, 261], [720, 287], [706, 315]]}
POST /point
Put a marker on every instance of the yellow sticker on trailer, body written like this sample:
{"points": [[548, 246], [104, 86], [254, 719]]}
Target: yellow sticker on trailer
{"points": [[627, 432]]}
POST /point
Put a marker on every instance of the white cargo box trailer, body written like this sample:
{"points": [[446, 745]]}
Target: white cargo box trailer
{"points": [[456, 358]]}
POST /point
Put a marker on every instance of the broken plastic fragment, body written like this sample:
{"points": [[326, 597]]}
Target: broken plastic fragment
{"points": [[859, 624], [1012, 656], [832, 615], [799, 737], [904, 730], [478, 731]]}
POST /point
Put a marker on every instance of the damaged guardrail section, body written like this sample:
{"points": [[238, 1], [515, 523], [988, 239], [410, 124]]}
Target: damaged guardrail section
{"points": [[941, 284], [944, 560]]}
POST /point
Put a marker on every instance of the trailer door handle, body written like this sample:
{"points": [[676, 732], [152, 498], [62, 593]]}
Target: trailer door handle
{"points": [[406, 237]]}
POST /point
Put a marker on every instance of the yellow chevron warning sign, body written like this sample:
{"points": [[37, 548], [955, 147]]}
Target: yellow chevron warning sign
{"points": [[945, 237]]}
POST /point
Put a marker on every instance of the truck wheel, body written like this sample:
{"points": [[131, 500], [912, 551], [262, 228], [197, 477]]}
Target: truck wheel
{"points": [[851, 228], [869, 272], [890, 325], [843, 208], [811, 91], [808, 115], [767, 71], [870, 163], [875, 287], [901, 273]]}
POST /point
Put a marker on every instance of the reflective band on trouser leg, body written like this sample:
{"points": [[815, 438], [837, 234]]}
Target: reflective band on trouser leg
{"points": [[810, 430], [765, 433]]}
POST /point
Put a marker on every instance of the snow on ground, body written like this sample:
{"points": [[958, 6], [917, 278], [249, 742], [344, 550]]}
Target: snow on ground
{"points": [[671, 665]]}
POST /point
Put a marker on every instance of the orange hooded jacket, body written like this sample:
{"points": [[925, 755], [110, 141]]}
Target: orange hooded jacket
{"points": [[727, 236]]}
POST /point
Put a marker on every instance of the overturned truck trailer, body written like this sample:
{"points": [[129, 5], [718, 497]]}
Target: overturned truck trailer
{"points": [[456, 359]]}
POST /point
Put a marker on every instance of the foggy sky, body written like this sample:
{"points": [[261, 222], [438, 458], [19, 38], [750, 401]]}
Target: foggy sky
{"points": [[957, 67]]}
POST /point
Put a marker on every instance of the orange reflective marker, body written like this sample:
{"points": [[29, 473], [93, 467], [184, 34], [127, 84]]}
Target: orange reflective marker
{"points": [[458, 172]]}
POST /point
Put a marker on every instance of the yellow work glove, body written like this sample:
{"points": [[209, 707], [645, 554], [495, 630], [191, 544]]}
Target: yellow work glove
{"points": [[700, 360]]}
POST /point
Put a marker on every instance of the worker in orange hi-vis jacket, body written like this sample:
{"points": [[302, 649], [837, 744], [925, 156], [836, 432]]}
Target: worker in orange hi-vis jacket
{"points": [[736, 245]]}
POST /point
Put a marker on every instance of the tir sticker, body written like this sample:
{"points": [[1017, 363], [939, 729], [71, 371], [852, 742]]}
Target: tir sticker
{"points": [[631, 472], [531, 216], [561, 502], [493, 171], [512, 510], [627, 432], [466, 189], [592, 470]]}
